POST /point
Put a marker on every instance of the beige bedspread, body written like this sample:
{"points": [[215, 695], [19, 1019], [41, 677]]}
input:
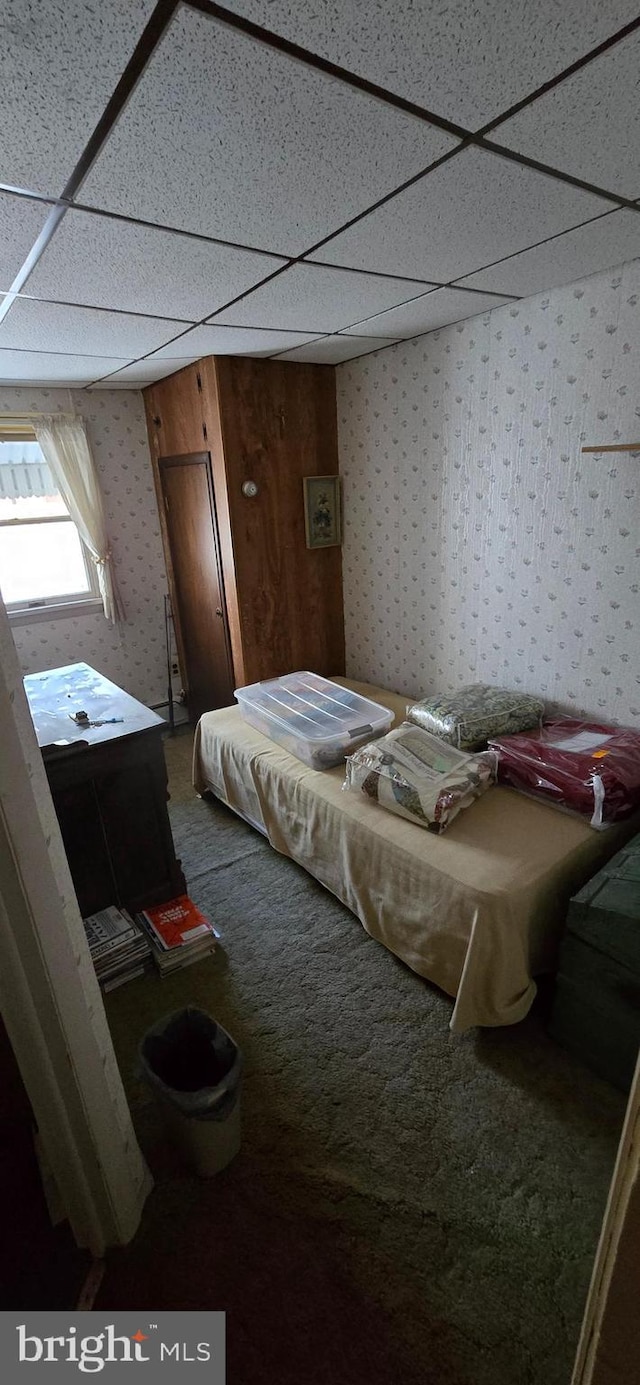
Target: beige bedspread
{"points": [[478, 910]]}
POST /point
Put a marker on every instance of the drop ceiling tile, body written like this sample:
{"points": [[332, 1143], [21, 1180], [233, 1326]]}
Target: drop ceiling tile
{"points": [[333, 350], [426, 314], [230, 341], [21, 222], [316, 299], [589, 125], [144, 372], [230, 138], [49, 368], [472, 210], [33, 326], [116, 264], [60, 61], [610, 240], [464, 62]]}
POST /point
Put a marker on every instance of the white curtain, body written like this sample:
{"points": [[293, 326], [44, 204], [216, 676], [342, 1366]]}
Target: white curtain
{"points": [[66, 449]]}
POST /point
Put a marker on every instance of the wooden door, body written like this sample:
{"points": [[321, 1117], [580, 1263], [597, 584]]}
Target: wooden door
{"points": [[196, 580]]}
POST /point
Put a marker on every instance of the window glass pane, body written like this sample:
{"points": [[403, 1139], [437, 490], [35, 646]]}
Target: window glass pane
{"points": [[27, 488], [41, 560]]}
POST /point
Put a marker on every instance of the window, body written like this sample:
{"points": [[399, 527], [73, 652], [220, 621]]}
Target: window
{"points": [[43, 562]]}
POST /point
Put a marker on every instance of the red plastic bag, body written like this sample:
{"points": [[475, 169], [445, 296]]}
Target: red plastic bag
{"points": [[584, 767]]}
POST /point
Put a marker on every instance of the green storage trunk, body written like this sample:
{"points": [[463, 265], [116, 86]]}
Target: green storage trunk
{"points": [[596, 1012]]}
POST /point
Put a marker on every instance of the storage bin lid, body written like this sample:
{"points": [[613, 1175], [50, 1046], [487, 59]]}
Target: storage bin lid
{"points": [[314, 708]]}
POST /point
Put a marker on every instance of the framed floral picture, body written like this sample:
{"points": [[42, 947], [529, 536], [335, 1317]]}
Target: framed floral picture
{"points": [[322, 519]]}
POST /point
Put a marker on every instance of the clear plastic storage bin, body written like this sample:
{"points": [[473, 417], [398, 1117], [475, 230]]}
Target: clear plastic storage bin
{"points": [[318, 721]]}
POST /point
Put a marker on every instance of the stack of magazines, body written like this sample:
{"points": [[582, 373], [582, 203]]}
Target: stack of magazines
{"points": [[179, 933], [118, 946]]}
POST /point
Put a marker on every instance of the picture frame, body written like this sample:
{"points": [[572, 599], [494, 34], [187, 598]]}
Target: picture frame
{"points": [[322, 511]]}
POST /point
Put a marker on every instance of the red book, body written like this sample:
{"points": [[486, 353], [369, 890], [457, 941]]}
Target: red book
{"points": [[177, 922]]}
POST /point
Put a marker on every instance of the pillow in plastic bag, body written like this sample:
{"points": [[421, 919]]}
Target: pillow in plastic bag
{"points": [[473, 715], [584, 767], [418, 776]]}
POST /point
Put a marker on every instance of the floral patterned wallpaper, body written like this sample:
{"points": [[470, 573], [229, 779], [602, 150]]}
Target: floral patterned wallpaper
{"points": [[133, 654], [480, 543]]}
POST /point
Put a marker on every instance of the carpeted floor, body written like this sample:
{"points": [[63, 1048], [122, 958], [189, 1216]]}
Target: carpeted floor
{"points": [[407, 1206]]}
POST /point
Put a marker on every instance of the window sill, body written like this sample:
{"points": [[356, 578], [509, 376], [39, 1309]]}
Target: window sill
{"points": [[34, 615]]}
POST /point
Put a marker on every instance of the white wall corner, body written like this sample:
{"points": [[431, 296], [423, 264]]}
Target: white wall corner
{"points": [[49, 997]]}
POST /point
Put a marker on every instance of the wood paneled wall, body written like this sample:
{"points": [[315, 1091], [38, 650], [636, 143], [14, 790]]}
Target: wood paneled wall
{"points": [[279, 424], [271, 422]]}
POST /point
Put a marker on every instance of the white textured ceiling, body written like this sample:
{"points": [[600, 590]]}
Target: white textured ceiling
{"points": [[253, 146], [471, 211], [468, 62], [405, 166], [59, 63]]}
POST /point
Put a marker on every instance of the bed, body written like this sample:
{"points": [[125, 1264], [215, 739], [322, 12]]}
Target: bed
{"points": [[478, 911]]}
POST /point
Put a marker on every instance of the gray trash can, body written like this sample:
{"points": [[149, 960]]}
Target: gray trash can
{"points": [[193, 1068]]}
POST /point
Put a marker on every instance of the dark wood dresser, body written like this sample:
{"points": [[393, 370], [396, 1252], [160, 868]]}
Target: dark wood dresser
{"points": [[109, 788]]}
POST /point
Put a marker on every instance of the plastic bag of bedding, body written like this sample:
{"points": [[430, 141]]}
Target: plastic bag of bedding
{"points": [[471, 716], [583, 767], [419, 776]]}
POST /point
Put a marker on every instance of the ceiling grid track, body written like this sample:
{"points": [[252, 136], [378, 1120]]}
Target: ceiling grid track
{"points": [[484, 139]]}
